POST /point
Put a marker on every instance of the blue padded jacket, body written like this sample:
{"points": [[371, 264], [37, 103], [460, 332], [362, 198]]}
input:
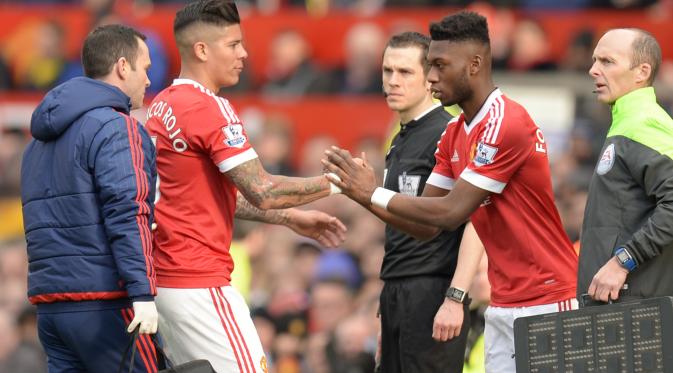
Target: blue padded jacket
{"points": [[87, 188]]}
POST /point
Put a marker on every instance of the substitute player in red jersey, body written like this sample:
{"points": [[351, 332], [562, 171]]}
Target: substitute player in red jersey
{"points": [[209, 174], [493, 160]]}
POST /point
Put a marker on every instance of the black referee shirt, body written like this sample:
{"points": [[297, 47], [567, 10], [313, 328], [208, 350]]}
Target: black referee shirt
{"points": [[409, 163]]}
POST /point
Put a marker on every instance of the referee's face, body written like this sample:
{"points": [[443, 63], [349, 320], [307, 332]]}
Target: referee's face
{"points": [[404, 82], [612, 69]]}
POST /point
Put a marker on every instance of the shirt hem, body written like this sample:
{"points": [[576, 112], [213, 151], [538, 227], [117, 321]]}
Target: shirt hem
{"points": [[192, 282], [544, 298]]}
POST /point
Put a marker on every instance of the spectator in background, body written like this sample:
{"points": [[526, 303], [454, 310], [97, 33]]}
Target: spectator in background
{"points": [[28, 357], [49, 60], [9, 340], [530, 48], [12, 143], [362, 71], [5, 75], [627, 234], [274, 145], [578, 54], [309, 162], [290, 71], [104, 16]]}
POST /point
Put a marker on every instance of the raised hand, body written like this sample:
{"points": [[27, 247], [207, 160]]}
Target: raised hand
{"points": [[356, 177], [324, 228]]}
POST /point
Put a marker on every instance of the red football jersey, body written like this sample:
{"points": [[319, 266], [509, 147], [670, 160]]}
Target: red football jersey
{"points": [[530, 258], [198, 137]]}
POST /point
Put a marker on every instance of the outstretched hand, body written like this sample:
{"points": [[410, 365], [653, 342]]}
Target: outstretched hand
{"points": [[356, 177], [324, 228]]}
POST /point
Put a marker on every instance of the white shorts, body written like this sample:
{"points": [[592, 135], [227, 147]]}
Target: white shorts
{"points": [[210, 323], [499, 332]]}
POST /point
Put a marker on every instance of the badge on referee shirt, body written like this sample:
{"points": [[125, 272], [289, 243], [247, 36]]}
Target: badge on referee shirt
{"points": [[408, 184], [607, 160], [234, 135]]}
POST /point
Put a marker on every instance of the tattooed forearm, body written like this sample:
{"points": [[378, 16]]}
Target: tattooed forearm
{"points": [[246, 211], [266, 191]]}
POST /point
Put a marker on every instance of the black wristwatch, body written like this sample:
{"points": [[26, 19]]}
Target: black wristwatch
{"points": [[456, 295]]}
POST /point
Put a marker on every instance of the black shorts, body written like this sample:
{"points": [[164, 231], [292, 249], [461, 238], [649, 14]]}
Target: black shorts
{"points": [[408, 307]]}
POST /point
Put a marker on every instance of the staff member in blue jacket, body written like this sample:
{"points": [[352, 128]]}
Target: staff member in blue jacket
{"points": [[87, 188]]}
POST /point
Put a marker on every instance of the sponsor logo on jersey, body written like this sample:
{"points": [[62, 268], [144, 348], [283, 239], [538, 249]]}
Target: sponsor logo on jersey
{"points": [[409, 184], [234, 135], [607, 160], [484, 154]]}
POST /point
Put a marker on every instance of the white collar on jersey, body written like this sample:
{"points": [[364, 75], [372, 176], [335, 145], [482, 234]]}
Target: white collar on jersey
{"points": [[431, 108], [484, 109], [194, 83]]}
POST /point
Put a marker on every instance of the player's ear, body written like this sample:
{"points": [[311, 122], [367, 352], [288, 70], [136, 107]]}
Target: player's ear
{"points": [[476, 64], [200, 51]]}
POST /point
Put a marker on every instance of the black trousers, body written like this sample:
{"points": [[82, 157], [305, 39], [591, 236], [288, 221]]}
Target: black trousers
{"points": [[408, 307]]}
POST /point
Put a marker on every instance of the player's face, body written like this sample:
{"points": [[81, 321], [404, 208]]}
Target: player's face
{"points": [[137, 80], [448, 74], [404, 81], [228, 55], [612, 72]]}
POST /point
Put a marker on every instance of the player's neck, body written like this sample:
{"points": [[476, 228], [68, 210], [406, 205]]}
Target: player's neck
{"points": [[407, 116], [472, 105], [200, 77]]}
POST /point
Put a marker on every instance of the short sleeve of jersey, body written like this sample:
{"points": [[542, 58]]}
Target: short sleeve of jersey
{"points": [[502, 148], [218, 132], [442, 174]]}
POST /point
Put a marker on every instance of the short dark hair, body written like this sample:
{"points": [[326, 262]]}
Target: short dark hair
{"points": [[411, 39], [105, 45], [461, 26], [646, 49], [214, 12]]}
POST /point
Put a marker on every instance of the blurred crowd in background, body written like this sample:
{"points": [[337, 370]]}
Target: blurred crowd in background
{"points": [[314, 308]]}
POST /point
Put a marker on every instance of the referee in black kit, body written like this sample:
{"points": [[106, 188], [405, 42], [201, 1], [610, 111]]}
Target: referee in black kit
{"points": [[416, 302]]}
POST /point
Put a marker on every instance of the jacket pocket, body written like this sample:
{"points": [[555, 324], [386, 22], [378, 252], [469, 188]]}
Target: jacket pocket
{"points": [[598, 244]]}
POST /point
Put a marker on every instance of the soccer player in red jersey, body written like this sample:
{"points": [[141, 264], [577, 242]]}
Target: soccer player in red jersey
{"points": [[493, 169], [209, 174]]}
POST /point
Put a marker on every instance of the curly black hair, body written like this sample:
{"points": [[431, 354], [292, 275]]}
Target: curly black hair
{"points": [[461, 26]]}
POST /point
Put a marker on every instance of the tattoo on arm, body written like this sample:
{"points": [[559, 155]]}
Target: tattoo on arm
{"points": [[267, 191], [246, 211]]}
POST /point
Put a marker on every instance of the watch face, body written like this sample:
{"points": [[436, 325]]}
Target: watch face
{"points": [[458, 294], [622, 256]]}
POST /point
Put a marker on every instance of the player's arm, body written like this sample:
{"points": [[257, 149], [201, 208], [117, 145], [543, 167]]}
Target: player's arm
{"points": [[266, 191], [423, 232], [447, 212], [449, 318], [326, 229]]}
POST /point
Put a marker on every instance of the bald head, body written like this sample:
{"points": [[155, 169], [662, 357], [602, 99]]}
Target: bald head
{"points": [[643, 48]]}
